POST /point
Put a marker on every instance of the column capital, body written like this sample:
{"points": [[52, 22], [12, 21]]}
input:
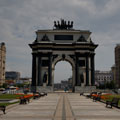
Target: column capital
{"points": [[87, 54], [79, 54], [92, 54], [39, 53], [34, 54]]}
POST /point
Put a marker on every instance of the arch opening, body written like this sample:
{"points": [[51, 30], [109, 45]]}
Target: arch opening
{"points": [[63, 76]]}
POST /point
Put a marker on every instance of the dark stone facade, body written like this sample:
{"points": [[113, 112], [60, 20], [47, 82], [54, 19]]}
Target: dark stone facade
{"points": [[46, 52]]}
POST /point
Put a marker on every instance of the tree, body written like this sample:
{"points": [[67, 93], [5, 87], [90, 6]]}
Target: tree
{"points": [[5, 85]]}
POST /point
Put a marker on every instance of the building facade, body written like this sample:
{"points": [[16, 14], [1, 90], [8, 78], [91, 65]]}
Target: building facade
{"points": [[13, 76], [103, 77], [62, 43], [24, 81], [2, 62], [117, 65], [113, 70]]}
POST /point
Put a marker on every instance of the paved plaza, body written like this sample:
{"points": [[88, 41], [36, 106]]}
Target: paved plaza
{"points": [[61, 106]]}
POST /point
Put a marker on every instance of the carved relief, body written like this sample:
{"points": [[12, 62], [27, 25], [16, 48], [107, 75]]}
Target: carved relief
{"points": [[45, 38], [73, 57], [81, 39]]}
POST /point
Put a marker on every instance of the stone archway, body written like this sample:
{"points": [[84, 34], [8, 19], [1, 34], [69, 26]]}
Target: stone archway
{"points": [[70, 61], [63, 43]]}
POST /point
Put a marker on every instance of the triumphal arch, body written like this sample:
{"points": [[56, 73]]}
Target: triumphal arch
{"points": [[63, 43]]}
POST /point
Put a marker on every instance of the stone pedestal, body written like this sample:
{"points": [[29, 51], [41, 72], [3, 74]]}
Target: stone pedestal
{"points": [[85, 88], [44, 88], [44, 85]]}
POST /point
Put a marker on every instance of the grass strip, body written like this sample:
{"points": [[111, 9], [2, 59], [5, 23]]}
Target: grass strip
{"points": [[9, 96]]}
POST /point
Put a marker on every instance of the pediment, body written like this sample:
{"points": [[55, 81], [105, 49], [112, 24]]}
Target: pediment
{"points": [[45, 38], [81, 39]]}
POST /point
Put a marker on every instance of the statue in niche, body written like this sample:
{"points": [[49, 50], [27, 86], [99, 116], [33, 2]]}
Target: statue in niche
{"points": [[82, 78], [45, 77]]}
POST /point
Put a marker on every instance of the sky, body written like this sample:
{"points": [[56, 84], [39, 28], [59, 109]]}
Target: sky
{"points": [[19, 19]]}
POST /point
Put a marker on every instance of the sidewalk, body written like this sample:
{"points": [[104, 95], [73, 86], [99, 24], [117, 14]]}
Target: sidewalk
{"points": [[62, 106], [39, 109], [86, 109]]}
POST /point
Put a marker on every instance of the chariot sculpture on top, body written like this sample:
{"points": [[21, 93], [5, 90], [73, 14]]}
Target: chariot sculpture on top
{"points": [[63, 25]]}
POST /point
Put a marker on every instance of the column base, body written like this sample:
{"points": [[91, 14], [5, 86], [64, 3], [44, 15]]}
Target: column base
{"points": [[42, 88], [85, 88]]}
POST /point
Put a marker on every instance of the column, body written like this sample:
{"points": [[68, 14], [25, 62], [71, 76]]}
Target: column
{"points": [[79, 79], [92, 70], [76, 70], [34, 71], [50, 70], [40, 82], [87, 70]]}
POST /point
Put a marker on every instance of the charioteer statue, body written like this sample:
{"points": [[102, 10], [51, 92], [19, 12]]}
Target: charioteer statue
{"points": [[63, 25]]}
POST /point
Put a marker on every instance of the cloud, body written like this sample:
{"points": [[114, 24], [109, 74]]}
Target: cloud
{"points": [[19, 19], [64, 69]]}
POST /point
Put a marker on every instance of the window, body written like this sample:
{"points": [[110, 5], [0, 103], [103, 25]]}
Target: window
{"points": [[63, 37]]}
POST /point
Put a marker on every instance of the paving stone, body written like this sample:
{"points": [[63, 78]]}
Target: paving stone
{"points": [[86, 109], [62, 106]]}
